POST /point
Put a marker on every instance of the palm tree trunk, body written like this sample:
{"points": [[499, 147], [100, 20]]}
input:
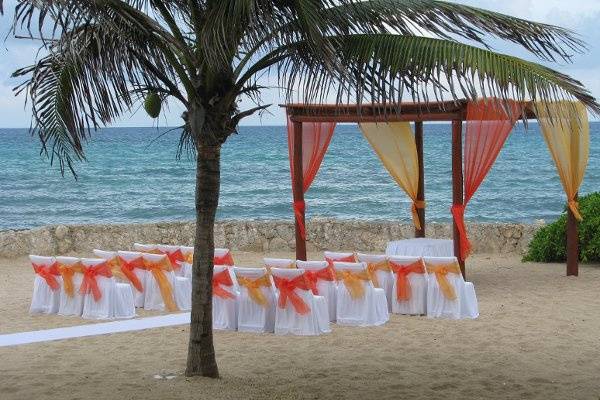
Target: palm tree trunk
{"points": [[201, 353]]}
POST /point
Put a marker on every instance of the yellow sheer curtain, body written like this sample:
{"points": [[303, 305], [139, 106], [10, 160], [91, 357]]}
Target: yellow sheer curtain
{"points": [[565, 127], [394, 143]]}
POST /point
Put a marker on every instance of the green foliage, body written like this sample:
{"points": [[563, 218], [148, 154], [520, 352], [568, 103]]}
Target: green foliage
{"points": [[549, 243]]}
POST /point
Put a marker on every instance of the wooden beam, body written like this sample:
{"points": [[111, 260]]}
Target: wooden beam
{"points": [[341, 118], [457, 185], [572, 244], [298, 188], [421, 188]]}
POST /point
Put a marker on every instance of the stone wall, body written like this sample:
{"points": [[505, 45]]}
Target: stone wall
{"points": [[262, 236]]}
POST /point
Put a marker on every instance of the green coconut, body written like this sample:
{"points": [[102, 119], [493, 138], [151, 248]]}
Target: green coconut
{"points": [[153, 104]]}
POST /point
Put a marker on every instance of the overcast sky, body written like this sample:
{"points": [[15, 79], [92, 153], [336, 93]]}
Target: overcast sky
{"points": [[582, 16]]}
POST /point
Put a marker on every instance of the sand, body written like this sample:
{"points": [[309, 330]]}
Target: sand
{"points": [[538, 337]]}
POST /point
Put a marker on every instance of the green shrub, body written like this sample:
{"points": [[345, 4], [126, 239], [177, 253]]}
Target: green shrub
{"points": [[549, 243]]}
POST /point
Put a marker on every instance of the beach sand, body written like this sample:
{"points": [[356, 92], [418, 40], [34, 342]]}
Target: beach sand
{"points": [[538, 337]]}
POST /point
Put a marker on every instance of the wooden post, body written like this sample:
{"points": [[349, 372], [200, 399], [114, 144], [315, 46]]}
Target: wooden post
{"points": [[572, 244], [298, 188], [457, 185], [421, 189]]}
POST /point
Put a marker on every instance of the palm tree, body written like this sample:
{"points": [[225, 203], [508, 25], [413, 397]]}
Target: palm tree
{"points": [[100, 58]]}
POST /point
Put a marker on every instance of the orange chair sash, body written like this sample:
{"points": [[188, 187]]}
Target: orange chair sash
{"points": [[67, 272], [254, 288], [330, 261], [354, 282], [127, 270], [324, 274], [403, 289], [90, 284], [48, 273], [219, 280], [441, 271], [189, 258], [174, 258], [158, 270], [287, 291], [226, 259], [372, 269]]}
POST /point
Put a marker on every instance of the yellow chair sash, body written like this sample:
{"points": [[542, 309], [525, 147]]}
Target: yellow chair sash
{"points": [[189, 258], [372, 268], [115, 268], [67, 272], [158, 270], [254, 288], [441, 271], [354, 282]]}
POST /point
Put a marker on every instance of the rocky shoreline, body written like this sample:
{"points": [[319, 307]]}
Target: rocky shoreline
{"points": [[249, 235]]}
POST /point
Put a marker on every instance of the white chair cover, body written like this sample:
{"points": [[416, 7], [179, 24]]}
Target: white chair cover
{"points": [[117, 299], [338, 256], [44, 300], [325, 288], [421, 247], [141, 274], [384, 278], [186, 267], [417, 303], [104, 307], [438, 306], [145, 248], [254, 317], [279, 263], [71, 305], [287, 319], [225, 310], [153, 299], [370, 310]]}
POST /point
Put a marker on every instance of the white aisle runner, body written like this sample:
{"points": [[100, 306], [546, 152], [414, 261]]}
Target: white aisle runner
{"points": [[103, 328]]}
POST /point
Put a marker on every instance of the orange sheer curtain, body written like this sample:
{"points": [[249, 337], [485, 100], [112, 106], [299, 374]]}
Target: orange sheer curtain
{"points": [[489, 122], [315, 140]]}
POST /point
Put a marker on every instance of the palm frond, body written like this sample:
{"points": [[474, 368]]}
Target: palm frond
{"points": [[444, 19], [383, 67]]}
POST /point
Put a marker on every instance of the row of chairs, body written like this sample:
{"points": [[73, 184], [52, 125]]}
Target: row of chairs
{"points": [[357, 289], [285, 296], [154, 277]]}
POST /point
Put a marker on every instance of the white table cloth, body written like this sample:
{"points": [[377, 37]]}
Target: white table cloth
{"points": [[421, 247]]}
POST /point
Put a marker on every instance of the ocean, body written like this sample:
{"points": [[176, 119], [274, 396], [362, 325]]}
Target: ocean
{"points": [[131, 175]]}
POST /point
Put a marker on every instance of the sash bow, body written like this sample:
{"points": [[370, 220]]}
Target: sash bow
{"points": [[90, 284], [219, 280], [254, 288], [354, 282], [324, 274], [49, 273], [287, 291], [403, 289]]}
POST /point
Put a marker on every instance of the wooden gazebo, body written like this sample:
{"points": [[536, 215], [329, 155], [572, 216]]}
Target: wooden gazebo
{"points": [[452, 111]]}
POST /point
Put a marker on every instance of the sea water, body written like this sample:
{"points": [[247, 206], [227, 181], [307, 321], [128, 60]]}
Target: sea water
{"points": [[132, 175]]}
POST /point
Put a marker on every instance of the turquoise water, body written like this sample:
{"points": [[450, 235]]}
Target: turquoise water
{"points": [[132, 176]]}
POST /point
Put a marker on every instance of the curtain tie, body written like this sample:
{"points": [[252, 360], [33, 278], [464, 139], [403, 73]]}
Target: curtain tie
{"points": [[574, 207], [219, 280], [458, 212], [48, 273], [287, 291], [67, 272], [325, 274], [254, 288], [158, 270], [441, 271], [90, 284], [403, 289], [226, 259], [354, 282], [299, 209], [127, 267], [372, 268], [417, 204]]}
